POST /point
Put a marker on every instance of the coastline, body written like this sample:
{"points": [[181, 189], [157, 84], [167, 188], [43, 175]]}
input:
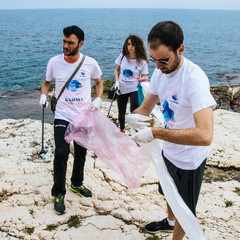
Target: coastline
{"points": [[25, 103]]}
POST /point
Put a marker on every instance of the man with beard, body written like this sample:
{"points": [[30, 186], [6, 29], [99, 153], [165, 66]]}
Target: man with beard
{"points": [[187, 107], [75, 98]]}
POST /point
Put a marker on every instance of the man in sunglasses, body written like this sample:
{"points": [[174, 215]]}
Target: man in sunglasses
{"points": [[187, 107]]}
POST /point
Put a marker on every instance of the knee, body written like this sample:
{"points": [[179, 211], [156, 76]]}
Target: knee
{"points": [[61, 153]]}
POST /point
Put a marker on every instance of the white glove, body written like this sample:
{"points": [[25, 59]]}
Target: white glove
{"points": [[143, 136], [43, 100], [137, 121], [95, 104], [116, 86]]}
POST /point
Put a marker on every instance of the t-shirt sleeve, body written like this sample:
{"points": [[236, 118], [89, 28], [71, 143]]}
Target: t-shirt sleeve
{"points": [[119, 59], [97, 72], [199, 93], [144, 67], [49, 71], [153, 87]]}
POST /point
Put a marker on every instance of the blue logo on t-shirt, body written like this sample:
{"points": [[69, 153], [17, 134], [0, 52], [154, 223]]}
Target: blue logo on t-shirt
{"points": [[168, 113], [74, 85], [82, 74], [127, 73], [174, 99]]}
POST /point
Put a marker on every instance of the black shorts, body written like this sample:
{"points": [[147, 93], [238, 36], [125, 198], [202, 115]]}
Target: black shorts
{"points": [[188, 182]]}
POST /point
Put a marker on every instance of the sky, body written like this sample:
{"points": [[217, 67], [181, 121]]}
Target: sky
{"points": [[174, 4]]}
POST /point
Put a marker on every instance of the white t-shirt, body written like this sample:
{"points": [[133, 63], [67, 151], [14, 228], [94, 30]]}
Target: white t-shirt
{"points": [[130, 70], [77, 95], [182, 93]]}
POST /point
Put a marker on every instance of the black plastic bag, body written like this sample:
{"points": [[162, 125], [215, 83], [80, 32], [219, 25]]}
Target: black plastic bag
{"points": [[112, 93]]}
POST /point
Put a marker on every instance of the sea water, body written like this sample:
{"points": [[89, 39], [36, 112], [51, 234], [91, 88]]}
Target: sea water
{"points": [[30, 37]]}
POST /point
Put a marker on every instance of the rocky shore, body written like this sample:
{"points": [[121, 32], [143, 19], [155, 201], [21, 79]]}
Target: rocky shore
{"points": [[223, 95], [114, 211], [25, 104]]}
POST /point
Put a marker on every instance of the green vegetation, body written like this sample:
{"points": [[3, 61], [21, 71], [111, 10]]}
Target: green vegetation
{"points": [[28, 230], [237, 191], [51, 227], [73, 221], [154, 238], [228, 203]]}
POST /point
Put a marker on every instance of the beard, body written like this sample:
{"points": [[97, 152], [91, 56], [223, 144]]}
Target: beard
{"points": [[69, 53], [174, 67]]}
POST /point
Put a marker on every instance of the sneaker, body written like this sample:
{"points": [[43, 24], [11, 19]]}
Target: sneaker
{"points": [[82, 191], [122, 130], [59, 207], [155, 227]]}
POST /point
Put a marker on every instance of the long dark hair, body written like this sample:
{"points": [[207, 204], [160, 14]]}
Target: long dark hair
{"points": [[139, 48]]}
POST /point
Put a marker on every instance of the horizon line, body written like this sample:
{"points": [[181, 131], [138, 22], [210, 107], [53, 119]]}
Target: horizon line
{"points": [[53, 8]]}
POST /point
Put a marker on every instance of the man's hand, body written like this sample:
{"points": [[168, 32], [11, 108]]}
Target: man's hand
{"points": [[43, 100], [143, 136], [137, 121], [95, 104]]}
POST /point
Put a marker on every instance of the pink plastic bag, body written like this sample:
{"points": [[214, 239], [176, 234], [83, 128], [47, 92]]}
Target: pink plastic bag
{"points": [[94, 131]]}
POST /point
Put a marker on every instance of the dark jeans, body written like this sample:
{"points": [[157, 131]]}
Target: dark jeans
{"points": [[62, 151], [188, 182], [122, 101]]}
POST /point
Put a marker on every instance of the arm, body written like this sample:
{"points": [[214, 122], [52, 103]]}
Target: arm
{"points": [[44, 91], [201, 135], [45, 87], [99, 87], [116, 72], [99, 91], [148, 104]]}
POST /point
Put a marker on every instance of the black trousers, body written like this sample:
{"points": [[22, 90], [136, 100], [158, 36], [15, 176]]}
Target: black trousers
{"points": [[122, 101], [62, 150], [188, 182]]}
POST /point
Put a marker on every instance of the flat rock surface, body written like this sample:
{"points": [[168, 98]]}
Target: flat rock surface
{"points": [[115, 211]]}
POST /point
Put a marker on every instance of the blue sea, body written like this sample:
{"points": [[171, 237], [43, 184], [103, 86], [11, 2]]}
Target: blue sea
{"points": [[30, 37]]}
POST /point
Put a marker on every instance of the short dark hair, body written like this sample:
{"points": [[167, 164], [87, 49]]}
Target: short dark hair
{"points": [[167, 33], [67, 31]]}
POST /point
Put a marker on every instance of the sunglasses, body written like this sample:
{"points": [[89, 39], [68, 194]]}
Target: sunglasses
{"points": [[163, 61]]}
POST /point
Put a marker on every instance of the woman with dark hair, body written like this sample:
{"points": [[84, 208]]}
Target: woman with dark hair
{"points": [[131, 65]]}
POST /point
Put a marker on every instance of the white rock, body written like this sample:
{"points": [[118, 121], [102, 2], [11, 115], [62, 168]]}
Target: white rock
{"points": [[114, 212]]}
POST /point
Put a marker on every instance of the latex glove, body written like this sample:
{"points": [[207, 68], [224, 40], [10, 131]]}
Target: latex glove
{"points": [[137, 121], [143, 136], [95, 104], [116, 86], [43, 100]]}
